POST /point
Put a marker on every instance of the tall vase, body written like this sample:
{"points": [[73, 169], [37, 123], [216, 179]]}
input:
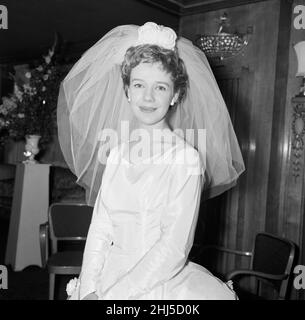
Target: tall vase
{"points": [[31, 147]]}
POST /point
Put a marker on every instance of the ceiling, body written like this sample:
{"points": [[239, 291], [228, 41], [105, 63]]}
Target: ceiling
{"points": [[32, 23], [187, 7]]}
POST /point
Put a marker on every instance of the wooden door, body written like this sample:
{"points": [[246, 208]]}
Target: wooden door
{"points": [[221, 219]]}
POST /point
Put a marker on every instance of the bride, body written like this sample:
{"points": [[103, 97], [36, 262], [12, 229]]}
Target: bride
{"points": [[146, 182]]}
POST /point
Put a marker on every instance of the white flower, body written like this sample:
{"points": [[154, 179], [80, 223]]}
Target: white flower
{"points": [[151, 33], [3, 110], [51, 52], [26, 87], [8, 104], [47, 59], [17, 92], [72, 286], [27, 153], [43, 88], [40, 68], [28, 75], [45, 77], [20, 115]]}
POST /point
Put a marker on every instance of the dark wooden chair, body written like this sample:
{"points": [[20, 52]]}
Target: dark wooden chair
{"points": [[68, 224], [272, 260]]}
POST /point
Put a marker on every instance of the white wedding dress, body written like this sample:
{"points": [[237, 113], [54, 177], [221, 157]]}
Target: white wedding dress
{"points": [[142, 230]]}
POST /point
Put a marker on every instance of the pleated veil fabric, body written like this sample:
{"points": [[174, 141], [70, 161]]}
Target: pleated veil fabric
{"points": [[92, 105]]}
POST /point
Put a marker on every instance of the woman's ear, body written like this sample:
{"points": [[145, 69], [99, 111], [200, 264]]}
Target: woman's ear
{"points": [[127, 93]]}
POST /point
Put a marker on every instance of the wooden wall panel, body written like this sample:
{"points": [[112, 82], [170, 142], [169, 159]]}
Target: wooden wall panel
{"points": [[246, 215], [292, 207], [257, 88], [273, 211]]}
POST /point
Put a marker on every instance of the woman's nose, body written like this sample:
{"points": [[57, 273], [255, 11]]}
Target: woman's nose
{"points": [[148, 94]]}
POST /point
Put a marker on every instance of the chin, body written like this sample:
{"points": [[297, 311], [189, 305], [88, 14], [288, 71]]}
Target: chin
{"points": [[148, 123], [149, 120]]}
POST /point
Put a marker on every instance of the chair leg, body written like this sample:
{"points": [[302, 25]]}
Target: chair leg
{"points": [[51, 286]]}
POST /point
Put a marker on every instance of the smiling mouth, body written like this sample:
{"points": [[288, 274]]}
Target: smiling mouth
{"points": [[147, 109]]}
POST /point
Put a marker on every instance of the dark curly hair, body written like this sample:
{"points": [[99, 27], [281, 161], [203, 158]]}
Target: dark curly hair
{"points": [[169, 59]]}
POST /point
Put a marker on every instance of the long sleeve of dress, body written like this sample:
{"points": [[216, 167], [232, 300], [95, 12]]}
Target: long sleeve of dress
{"points": [[98, 243], [169, 254]]}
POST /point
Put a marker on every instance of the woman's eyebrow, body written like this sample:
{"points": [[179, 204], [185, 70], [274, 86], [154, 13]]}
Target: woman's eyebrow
{"points": [[158, 82], [164, 83], [136, 79]]}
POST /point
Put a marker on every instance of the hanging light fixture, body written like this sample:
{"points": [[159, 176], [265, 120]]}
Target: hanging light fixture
{"points": [[223, 44]]}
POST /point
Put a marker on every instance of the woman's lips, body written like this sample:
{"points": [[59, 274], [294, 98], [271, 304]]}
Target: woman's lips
{"points": [[147, 109]]}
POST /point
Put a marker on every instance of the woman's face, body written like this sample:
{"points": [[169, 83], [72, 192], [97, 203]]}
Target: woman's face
{"points": [[150, 93]]}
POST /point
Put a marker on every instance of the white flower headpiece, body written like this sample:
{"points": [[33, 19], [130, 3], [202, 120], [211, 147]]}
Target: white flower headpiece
{"points": [[151, 33]]}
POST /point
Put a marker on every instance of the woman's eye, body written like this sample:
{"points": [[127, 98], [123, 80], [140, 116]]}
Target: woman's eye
{"points": [[138, 85], [161, 88]]}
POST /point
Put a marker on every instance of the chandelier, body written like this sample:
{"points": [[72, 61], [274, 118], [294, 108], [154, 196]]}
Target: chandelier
{"points": [[223, 44]]}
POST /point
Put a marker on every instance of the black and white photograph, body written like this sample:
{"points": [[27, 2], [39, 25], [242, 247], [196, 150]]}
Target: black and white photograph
{"points": [[152, 151]]}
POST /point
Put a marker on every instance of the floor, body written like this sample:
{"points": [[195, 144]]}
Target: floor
{"points": [[30, 283]]}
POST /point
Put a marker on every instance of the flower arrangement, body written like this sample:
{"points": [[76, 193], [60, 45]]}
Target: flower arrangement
{"points": [[31, 108]]}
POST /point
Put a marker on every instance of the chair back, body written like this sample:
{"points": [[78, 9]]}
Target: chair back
{"points": [[69, 221], [274, 255]]}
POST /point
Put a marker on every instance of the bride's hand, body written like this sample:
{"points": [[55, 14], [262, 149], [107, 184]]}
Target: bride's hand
{"points": [[91, 296]]}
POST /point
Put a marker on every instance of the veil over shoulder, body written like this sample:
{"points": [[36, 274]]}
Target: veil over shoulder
{"points": [[92, 106]]}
